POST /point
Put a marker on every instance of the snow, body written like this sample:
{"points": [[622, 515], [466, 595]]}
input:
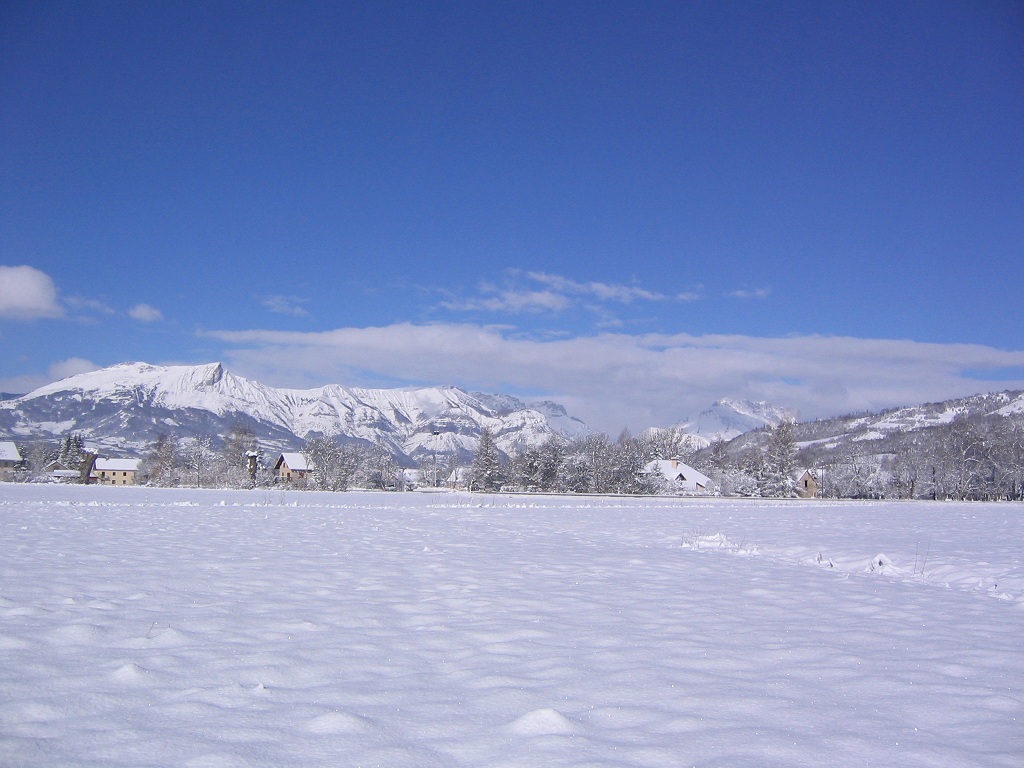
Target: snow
{"points": [[729, 418], [1015, 406], [399, 418], [252, 628], [9, 451], [117, 465], [295, 462], [675, 471]]}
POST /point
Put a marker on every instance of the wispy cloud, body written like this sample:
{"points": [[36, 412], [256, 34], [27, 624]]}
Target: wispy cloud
{"points": [[27, 293], [617, 379], [144, 313], [752, 293], [601, 291], [533, 292], [21, 385], [511, 301], [286, 305], [81, 304]]}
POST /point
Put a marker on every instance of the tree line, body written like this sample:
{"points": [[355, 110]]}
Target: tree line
{"points": [[980, 459], [964, 459]]}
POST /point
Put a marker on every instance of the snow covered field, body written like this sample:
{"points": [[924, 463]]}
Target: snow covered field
{"points": [[219, 628]]}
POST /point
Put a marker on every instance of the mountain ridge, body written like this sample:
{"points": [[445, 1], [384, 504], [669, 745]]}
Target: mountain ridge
{"points": [[122, 408]]}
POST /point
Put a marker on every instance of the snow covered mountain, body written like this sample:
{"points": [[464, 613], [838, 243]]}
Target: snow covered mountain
{"points": [[727, 419], [872, 430], [925, 439], [123, 408]]}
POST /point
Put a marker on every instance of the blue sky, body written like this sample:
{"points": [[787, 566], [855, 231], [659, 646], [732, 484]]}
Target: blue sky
{"points": [[632, 208]]}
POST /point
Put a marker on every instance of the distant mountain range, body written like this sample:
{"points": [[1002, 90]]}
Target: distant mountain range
{"points": [[122, 409], [872, 435]]}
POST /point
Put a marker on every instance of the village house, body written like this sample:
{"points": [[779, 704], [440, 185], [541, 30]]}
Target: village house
{"points": [[59, 472], [806, 484], [114, 471], [292, 468], [679, 476], [10, 458]]}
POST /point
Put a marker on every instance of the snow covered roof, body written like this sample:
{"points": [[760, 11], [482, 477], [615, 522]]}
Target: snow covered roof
{"points": [[674, 470], [296, 462], [9, 451], [117, 465]]}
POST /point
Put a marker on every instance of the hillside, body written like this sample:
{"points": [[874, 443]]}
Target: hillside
{"points": [[123, 408], [970, 447]]}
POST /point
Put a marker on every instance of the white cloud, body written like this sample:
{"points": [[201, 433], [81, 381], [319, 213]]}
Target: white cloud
{"points": [[512, 301], [752, 293], [616, 379], [20, 385], [286, 305], [24, 384], [145, 313], [82, 304], [27, 293], [602, 291], [532, 292], [71, 367]]}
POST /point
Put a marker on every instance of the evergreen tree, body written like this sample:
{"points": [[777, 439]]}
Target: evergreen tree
{"points": [[486, 471], [72, 450], [551, 458], [776, 478]]}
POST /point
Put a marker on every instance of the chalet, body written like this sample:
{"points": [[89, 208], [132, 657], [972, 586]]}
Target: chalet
{"points": [[59, 472], [806, 484], [114, 471], [679, 476], [292, 468], [10, 458]]}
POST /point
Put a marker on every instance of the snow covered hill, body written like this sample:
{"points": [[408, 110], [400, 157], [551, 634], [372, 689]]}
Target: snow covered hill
{"points": [[967, 447], [725, 420], [124, 407], [728, 418], [873, 428]]}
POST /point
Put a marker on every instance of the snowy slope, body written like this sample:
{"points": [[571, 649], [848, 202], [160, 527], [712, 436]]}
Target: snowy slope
{"points": [[150, 627], [838, 432], [126, 406], [728, 418]]}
